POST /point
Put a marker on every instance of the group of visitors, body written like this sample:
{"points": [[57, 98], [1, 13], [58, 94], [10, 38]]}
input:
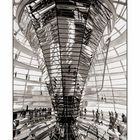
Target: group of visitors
{"points": [[98, 116], [39, 113], [112, 119], [36, 114], [115, 120], [103, 99]]}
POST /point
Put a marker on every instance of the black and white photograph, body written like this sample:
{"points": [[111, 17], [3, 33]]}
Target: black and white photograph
{"points": [[69, 70]]}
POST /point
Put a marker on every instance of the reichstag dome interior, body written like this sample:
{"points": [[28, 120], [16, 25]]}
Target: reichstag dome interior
{"points": [[70, 70]]}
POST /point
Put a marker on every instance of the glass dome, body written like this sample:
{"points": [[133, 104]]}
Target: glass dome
{"points": [[33, 91], [105, 88]]}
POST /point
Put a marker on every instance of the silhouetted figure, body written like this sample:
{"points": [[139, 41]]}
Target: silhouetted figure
{"points": [[112, 122], [35, 111], [109, 113], [116, 115], [49, 112], [97, 116], [105, 99], [16, 56], [102, 115], [26, 76], [93, 114], [118, 128], [15, 74], [31, 116], [102, 98], [112, 114], [27, 108], [85, 111], [123, 117]]}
